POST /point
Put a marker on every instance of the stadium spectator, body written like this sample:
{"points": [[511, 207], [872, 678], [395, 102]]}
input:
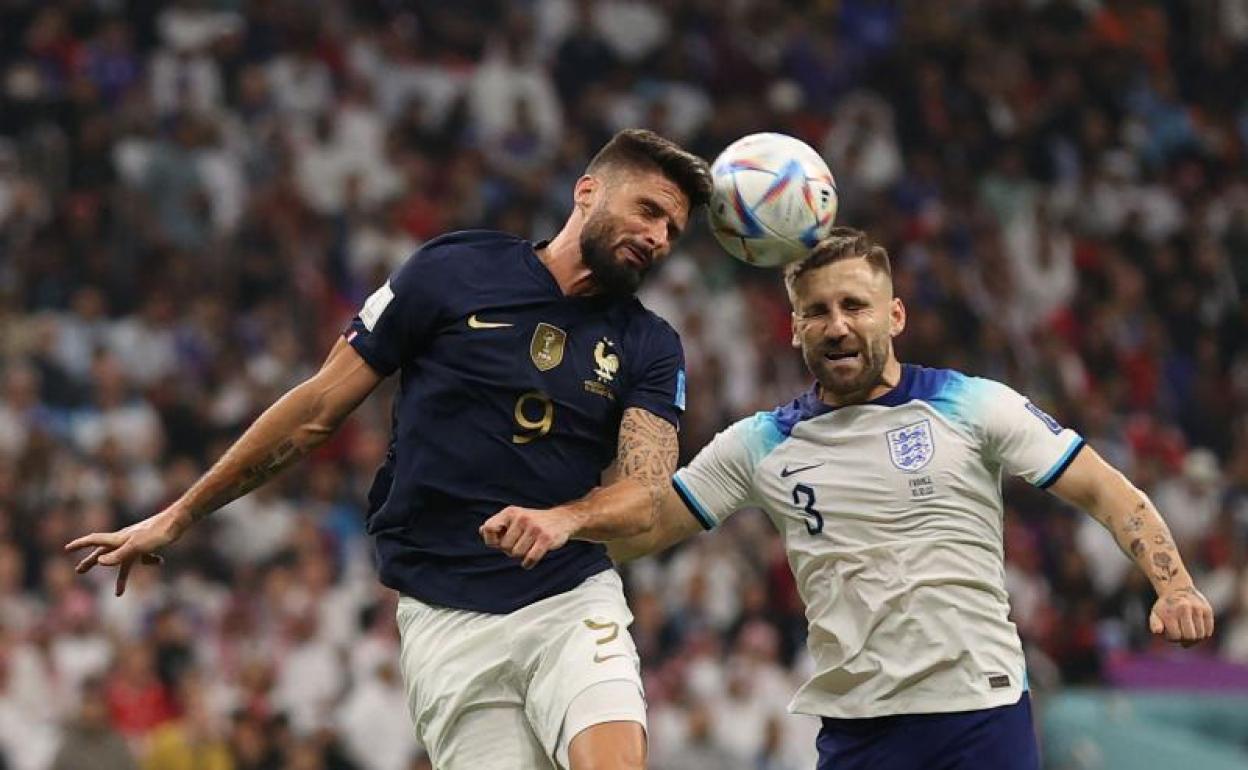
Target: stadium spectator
{"points": [[89, 741]]}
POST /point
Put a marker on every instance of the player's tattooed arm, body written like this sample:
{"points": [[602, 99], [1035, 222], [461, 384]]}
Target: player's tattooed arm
{"points": [[289, 429], [1127, 513], [286, 432], [648, 452], [231, 485], [1181, 612], [672, 525], [627, 504]]}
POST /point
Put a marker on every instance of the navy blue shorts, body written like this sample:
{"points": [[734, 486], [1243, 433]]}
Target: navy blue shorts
{"points": [[1000, 738]]}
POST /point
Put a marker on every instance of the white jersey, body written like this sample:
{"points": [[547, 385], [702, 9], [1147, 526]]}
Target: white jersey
{"points": [[891, 516]]}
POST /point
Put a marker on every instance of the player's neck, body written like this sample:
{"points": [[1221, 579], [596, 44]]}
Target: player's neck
{"points": [[889, 379], [562, 257]]}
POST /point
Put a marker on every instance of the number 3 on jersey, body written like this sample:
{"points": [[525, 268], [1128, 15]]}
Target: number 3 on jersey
{"points": [[534, 413], [804, 498]]}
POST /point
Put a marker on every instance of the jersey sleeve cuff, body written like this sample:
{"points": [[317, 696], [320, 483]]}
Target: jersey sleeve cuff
{"points": [[665, 411], [696, 508], [1063, 462], [358, 339]]}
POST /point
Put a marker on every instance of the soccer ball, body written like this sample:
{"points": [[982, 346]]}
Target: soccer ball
{"points": [[774, 199]]}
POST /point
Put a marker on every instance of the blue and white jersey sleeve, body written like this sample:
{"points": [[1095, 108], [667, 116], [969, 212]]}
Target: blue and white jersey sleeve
{"points": [[399, 317], [1026, 441], [721, 479]]}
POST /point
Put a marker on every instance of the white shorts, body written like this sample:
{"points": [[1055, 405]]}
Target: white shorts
{"points": [[493, 691]]}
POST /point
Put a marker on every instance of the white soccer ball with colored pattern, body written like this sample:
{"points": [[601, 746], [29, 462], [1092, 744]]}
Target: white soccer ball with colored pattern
{"points": [[774, 199]]}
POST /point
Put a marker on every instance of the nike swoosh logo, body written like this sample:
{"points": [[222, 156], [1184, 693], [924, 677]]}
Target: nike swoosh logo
{"points": [[600, 658], [787, 471], [474, 323]]}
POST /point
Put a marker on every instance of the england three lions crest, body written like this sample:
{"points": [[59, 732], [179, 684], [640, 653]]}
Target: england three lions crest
{"points": [[911, 447]]}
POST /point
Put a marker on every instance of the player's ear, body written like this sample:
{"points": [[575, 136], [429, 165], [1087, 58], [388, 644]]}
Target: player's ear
{"points": [[897, 317], [797, 340], [585, 191]]}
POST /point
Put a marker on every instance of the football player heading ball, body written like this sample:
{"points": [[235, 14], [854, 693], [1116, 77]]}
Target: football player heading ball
{"points": [[884, 482], [520, 365]]}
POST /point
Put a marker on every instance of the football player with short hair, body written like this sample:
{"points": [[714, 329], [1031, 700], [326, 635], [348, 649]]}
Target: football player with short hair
{"points": [[884, 481], [526, 370]]}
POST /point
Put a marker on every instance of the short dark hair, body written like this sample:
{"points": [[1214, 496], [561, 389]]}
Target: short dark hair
{"points": [[643, 149], [841, 243]]}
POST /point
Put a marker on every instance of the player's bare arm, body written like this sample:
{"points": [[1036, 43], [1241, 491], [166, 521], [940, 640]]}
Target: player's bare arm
{"points": [[288, 430], [646, 457], [1181, 613], [672, 524]]}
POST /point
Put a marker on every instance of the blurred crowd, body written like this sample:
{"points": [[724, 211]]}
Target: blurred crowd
{"points": [[195, 197]]}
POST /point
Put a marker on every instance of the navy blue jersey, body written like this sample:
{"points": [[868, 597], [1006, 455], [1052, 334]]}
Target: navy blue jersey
{"points": [[510, 393]]}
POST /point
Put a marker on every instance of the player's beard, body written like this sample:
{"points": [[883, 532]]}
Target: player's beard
{"points": [[613, 275], [856, 387]]}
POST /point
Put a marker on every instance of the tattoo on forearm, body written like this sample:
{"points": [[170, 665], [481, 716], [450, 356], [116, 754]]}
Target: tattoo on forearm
{"points": [[1142, 533], [648, 451], [1132, 525], [253, 476], [1163, 561]]}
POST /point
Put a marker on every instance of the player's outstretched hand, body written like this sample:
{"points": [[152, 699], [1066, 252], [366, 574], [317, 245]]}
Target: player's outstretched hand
{"points": [[1183, 616], [139, 541], [527, 534]]}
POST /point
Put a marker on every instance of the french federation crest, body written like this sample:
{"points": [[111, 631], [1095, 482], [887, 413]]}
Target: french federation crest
{"points": [[911, 447], [606, 363]]}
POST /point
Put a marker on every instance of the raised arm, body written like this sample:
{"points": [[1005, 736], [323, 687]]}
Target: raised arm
{"points": [[629, 504], [292, 427], [1181, 613]]}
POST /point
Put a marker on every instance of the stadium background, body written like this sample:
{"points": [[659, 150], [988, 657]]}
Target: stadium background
{"points": [[195, 197]]}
